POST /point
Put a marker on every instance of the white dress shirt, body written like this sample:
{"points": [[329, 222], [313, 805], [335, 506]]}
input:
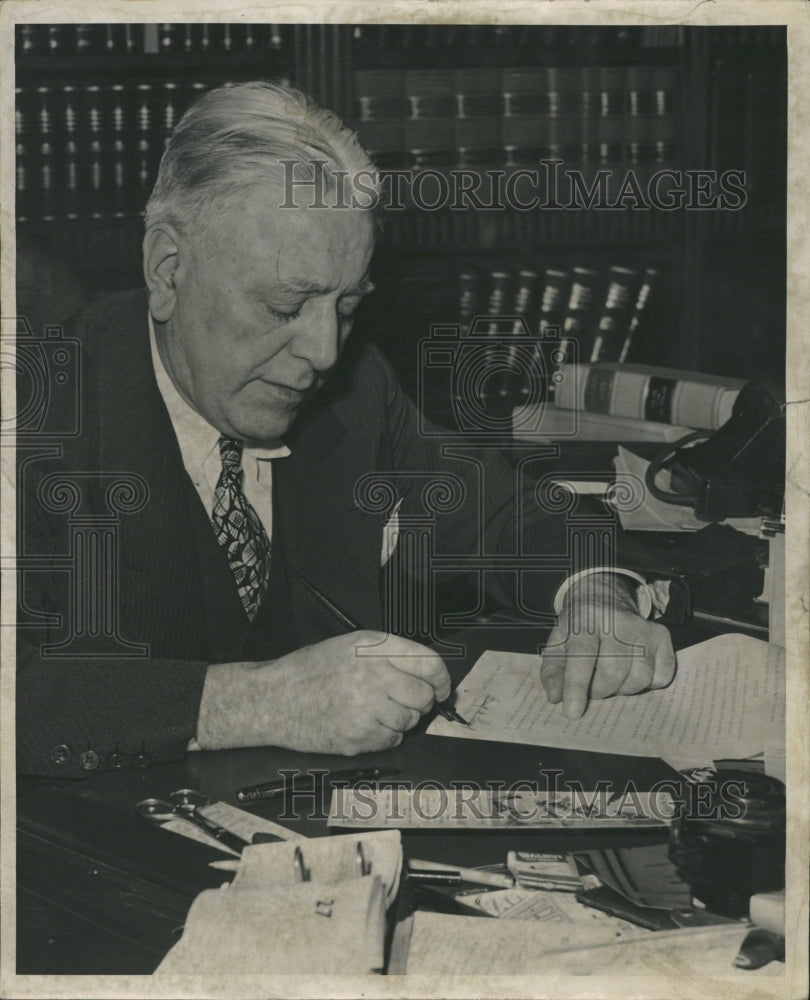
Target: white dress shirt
{"points": [[199, 446]]}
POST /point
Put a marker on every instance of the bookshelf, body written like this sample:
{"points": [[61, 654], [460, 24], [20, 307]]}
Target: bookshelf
{"points": [[95, 102]]}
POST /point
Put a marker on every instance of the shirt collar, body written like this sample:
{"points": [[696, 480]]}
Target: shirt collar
{"points": [[195, 436]]}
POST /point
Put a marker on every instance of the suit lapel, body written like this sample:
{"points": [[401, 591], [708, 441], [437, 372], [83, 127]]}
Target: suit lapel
{"points": [[168, 550], [326, 537]]}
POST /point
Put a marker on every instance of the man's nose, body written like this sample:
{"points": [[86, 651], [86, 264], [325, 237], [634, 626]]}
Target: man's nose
{"points": [[317, 336]]}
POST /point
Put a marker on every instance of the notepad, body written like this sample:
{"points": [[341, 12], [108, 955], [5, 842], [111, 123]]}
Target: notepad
{"points": [[271, 921], [305, 929], [727, 700], [327, 859]]}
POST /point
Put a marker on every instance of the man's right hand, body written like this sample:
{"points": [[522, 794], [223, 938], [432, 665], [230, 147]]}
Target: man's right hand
{"points": [[350, 694]]}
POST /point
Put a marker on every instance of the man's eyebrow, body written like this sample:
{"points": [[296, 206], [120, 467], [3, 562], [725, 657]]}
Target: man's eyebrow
{"points": [[302, 286]]}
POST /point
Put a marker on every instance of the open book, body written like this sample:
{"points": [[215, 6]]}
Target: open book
{"points": [[727, 700]]}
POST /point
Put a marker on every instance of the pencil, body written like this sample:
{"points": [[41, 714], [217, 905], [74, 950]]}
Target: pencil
{"points": [[443, 708], [502, 881]]}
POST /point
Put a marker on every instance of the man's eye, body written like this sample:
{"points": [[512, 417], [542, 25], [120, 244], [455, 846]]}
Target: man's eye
{"points": [[284, 317]]}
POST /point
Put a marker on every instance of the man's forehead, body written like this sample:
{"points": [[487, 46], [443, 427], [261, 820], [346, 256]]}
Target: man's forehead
{"points": [[316, 250], [304, 249]]}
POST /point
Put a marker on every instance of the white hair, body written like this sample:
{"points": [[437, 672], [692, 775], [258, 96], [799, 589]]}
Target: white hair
{"points": [[238, 136]]}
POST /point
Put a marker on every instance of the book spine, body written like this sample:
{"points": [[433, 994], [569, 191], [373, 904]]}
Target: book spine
{"points": [[477, 125], [513, 378], [648, 283], [470, 294], [556, 288], [429, 129], [577, 326], [500, 286], [610, 126], [641, 393], [379, 114], [616, 315], [551, 313]]}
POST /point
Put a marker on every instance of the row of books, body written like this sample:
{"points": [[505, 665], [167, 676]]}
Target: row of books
{"points": [[524, 43], [93, 150], [577, 313], [559, 338], [94, 110], [94, 39], [546, 350], [491, 115]]}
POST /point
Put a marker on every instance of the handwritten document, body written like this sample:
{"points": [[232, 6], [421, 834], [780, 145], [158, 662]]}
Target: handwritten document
{"points": [[727, 700], [442, 944]]}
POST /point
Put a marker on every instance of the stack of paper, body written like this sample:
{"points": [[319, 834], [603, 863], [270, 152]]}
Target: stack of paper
{"points": [[442, 944], [727, 700], [270, 921]]}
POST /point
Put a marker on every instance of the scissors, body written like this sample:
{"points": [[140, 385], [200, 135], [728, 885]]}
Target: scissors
{"points": [[185, 804]]}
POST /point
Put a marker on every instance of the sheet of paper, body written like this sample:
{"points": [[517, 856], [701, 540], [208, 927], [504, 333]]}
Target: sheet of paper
{"points": [[482, 808], [327, 859], [182, 826], [546, 907], [655, 515], [445, 944], [727, 699], [309, 928], [245, 824], [442, 944]]}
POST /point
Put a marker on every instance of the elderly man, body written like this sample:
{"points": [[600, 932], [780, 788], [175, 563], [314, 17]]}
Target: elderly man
{"points": [[230, 395]]}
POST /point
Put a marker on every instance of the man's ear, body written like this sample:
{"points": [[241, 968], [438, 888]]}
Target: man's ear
{"points": [[161, 260]]}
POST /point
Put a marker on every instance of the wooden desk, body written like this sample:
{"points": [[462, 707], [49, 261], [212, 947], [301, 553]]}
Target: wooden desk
{"points": [[100, 891]]}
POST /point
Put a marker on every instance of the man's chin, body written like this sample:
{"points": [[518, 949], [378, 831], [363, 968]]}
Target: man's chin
{"points": [[263, 430]]}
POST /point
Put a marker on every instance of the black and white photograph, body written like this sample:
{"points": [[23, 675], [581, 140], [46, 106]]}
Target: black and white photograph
{"points": [[404, 500]]}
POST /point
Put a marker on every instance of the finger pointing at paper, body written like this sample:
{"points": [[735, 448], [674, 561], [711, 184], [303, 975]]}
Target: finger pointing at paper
{"points": [[597, 651]]}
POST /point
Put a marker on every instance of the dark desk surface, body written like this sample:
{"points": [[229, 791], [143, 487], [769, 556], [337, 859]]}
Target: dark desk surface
{"points": [[100, 891]]}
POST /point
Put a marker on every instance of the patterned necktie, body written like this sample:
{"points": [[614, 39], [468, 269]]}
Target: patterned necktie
{"points": [[239, 530]]}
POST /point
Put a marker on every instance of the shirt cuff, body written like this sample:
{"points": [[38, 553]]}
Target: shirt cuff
{"points": [[649, 597]]}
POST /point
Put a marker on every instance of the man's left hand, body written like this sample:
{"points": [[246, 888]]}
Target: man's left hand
{"points": [[598, 651]]}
